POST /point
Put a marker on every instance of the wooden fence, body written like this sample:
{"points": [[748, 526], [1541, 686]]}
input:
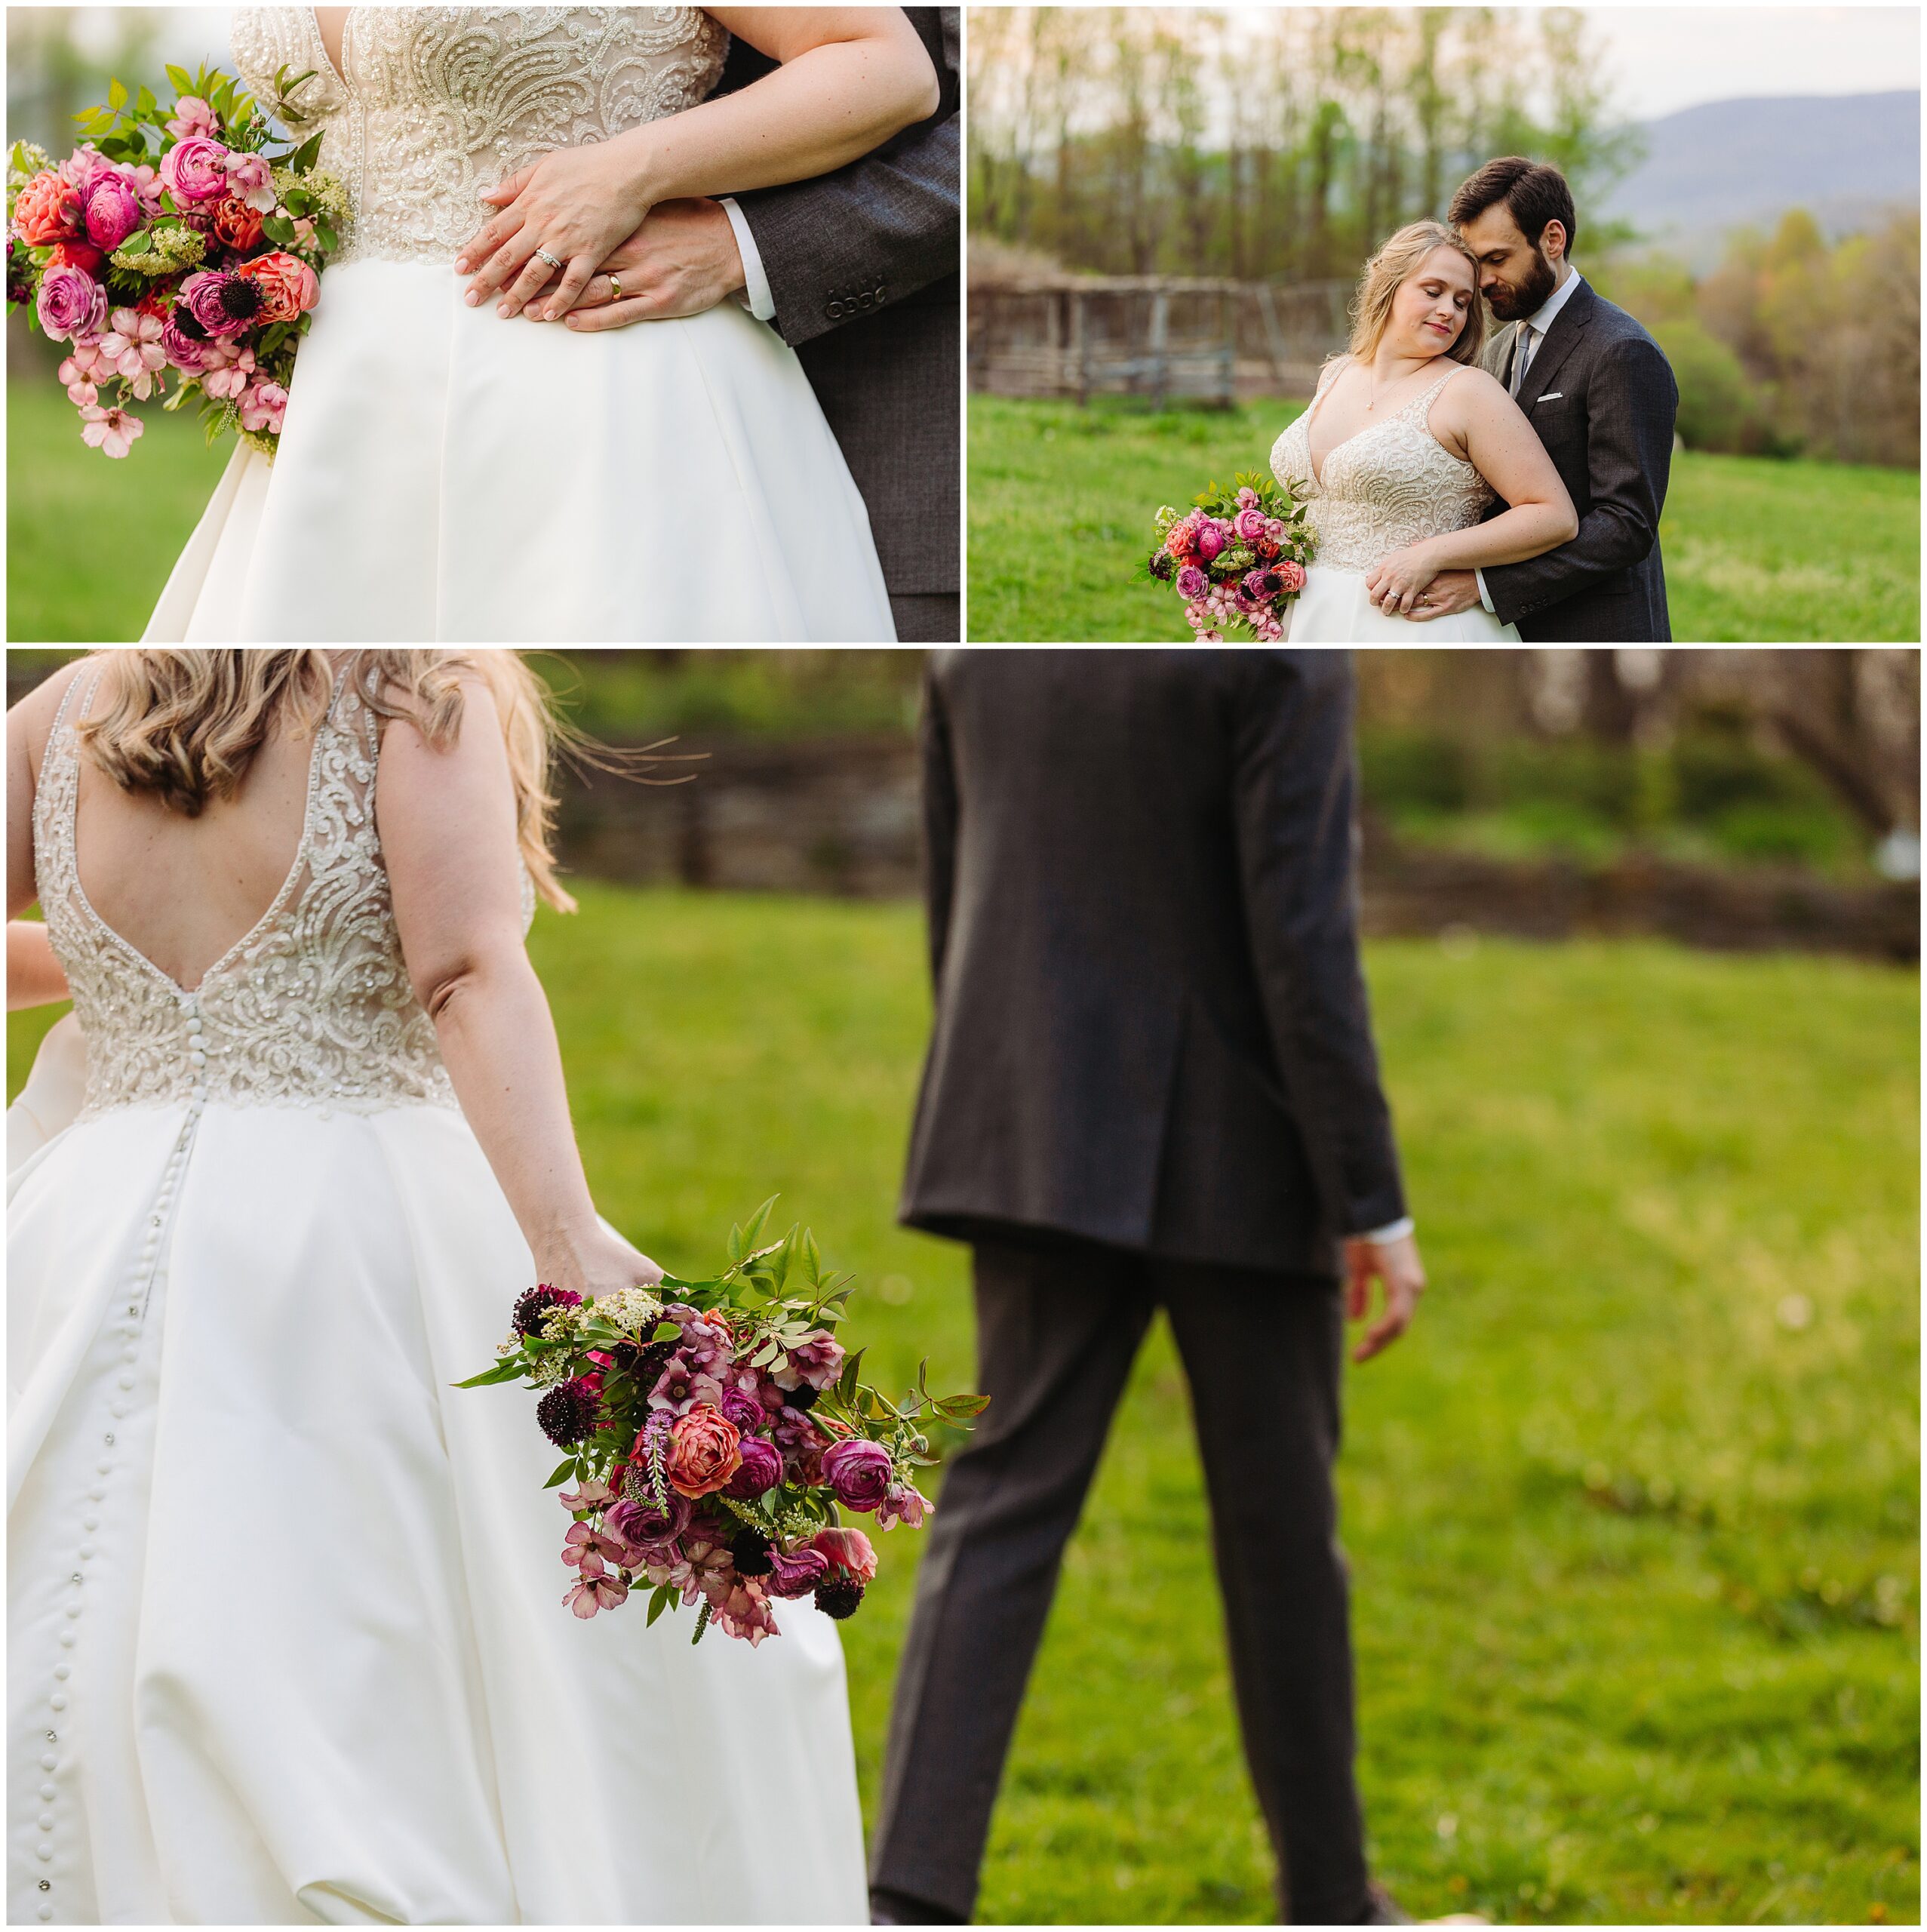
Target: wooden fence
{"points": [[1160, 337]]}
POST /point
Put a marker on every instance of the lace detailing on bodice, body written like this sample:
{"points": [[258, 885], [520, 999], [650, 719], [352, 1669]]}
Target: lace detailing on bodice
{"points": [[1393, 483], [313, 1007], [433, 104]]}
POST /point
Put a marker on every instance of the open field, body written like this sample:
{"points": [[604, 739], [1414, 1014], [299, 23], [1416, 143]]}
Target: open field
{"points": [[1632, 1513], [1756, 551]]}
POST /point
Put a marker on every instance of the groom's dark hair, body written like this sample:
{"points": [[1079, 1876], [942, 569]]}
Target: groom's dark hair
{"points": [[1535, 192]]}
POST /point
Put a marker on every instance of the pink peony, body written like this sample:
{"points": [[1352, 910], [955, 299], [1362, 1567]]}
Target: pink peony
{"points": [[71, 305], [1212, 538], [761, 1469], [195, 169], [1192, 582], [192, 116], [250, 180], [46, 210], [859, 1471], [1247, 497], [1250, 524], [704, 1451], [113, 430], [261, 407], [112, 210], [849, 1551]]}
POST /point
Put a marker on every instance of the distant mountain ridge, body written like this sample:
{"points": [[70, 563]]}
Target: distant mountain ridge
{"points": [[1848, 159]]}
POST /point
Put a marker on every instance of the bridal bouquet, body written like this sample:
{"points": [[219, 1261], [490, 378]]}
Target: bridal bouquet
{"points": [[1238, 557], [178, 251], [713, 1431]]}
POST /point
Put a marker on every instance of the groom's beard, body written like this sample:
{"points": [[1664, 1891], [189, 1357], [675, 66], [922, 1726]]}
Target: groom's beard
{"points": [[1511, 304]]}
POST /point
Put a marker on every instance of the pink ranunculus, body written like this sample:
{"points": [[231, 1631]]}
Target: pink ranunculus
{"points": [[761, 1469], [192, 116], [46, 210], [647, 1526], [112, 430], [796, 1573], [902, 1504], [112, 210], [71, 305], [704, 1450], [289, 287], [859, 1471], [1212, 538], [250, 180], [1192, 582], [261, 407], [195, 169], [850, 1551], [1292, 573], [1250, 524]]}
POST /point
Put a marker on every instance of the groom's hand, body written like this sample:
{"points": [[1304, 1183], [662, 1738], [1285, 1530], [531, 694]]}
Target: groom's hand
{"points": [[682, 261], [1448, 593], [1396, 1264]]}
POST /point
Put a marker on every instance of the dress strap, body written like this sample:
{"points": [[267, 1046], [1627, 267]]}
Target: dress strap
{"points": [[1421, 406]]}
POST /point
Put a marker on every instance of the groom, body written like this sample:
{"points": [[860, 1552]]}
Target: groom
{"points": [[1599, 394], [857, 271], [1151, 1084]]}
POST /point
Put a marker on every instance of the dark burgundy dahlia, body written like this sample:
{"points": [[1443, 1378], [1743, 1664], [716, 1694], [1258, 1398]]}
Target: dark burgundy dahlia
{"points": [[568, 1413], [532, 1308]]}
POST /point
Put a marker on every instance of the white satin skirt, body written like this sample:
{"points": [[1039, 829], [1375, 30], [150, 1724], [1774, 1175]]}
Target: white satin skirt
{"points": [[444, 475], [286, 1639], [1333, 608]]}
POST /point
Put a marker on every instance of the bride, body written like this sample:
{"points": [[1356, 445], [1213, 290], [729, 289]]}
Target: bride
{"points": [[1406, 445], [441, 477], [286, 1638]]}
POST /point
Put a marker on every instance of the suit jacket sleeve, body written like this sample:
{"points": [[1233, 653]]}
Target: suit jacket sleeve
{"points": [[848, 244], [1294, 810], [1631, 400], [939, 823]]}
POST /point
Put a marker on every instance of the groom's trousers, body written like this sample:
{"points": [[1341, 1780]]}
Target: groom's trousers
{"points": [[1059, 1321]]}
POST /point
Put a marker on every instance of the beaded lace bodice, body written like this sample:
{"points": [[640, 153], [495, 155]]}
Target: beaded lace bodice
{"points": [[1393, 483], [312, 1007], [433, 104]]}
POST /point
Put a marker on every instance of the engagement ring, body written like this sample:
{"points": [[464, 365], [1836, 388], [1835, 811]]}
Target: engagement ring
{"points": [[548, 258]]}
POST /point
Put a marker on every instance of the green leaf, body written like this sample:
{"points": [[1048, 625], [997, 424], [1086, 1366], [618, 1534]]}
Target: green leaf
{"points": [[325, 236], [956, 1407], [564, 1471], [178, 80], [304, 157], [511, 1370], [659, 1600], [753, 1233], [663, 1331], [279, 230], [116, 95]]}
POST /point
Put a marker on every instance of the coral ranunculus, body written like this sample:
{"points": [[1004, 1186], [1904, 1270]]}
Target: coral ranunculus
{"points": [[47, 210], [704, 1451], [849, 1551], [236, 225], [289, 287]]}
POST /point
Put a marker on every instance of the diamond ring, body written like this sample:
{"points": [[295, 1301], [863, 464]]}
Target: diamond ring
{"points": [[552, 261]]}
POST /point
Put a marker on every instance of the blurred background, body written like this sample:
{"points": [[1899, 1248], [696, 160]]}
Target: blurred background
{"points": [[1175, 204], [1632, 1514]]}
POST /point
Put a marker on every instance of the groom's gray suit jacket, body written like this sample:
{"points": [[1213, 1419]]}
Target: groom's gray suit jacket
{"points": [[863, 264], [1601, 394]]}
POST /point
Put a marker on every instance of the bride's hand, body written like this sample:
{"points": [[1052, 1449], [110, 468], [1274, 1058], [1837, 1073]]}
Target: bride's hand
{"points": [[594, 1261], [578, 204], [1397, 583]]}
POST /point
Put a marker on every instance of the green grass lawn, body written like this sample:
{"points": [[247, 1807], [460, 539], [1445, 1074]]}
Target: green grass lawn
{"points": [[90, 539], [1632, 1513], [1061, 500]]}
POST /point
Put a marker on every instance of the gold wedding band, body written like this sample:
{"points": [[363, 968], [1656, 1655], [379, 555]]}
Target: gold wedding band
{"points": [[615, 289]]}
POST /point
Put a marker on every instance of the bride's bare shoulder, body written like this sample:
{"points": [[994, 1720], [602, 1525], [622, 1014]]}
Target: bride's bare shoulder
{"points": [[30, 722]]}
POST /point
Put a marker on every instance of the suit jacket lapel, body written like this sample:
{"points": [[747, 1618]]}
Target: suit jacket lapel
{"points": [[1496, 357], [1567, 327]]}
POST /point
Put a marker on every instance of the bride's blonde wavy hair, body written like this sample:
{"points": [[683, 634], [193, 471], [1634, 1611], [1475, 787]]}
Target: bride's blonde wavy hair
{"points": [[186, 724], [1387, 272]]}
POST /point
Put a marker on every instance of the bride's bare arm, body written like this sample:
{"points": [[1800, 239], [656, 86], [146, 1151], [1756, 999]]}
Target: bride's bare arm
{"points": [[448, 823], [850, 78], [1477, 419], [34, 975]]}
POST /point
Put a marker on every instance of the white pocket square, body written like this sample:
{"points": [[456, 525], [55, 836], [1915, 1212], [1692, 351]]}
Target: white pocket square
{"points": [[1553, 398]]}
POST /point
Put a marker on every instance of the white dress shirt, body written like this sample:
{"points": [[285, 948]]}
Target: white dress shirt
{"points": [[1531, 337], [755, 296]]}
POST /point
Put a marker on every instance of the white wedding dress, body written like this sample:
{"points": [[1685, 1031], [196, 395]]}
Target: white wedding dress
{"points": [[1392, 483], [444, 474], [286, 1638]]}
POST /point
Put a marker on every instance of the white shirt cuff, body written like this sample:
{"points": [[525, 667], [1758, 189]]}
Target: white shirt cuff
{"points": [[1485, 595], [1392, 1231], [755, 296]]}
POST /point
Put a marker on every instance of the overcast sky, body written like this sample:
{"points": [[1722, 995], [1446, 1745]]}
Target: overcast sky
{"points": [[1668, 57]]}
